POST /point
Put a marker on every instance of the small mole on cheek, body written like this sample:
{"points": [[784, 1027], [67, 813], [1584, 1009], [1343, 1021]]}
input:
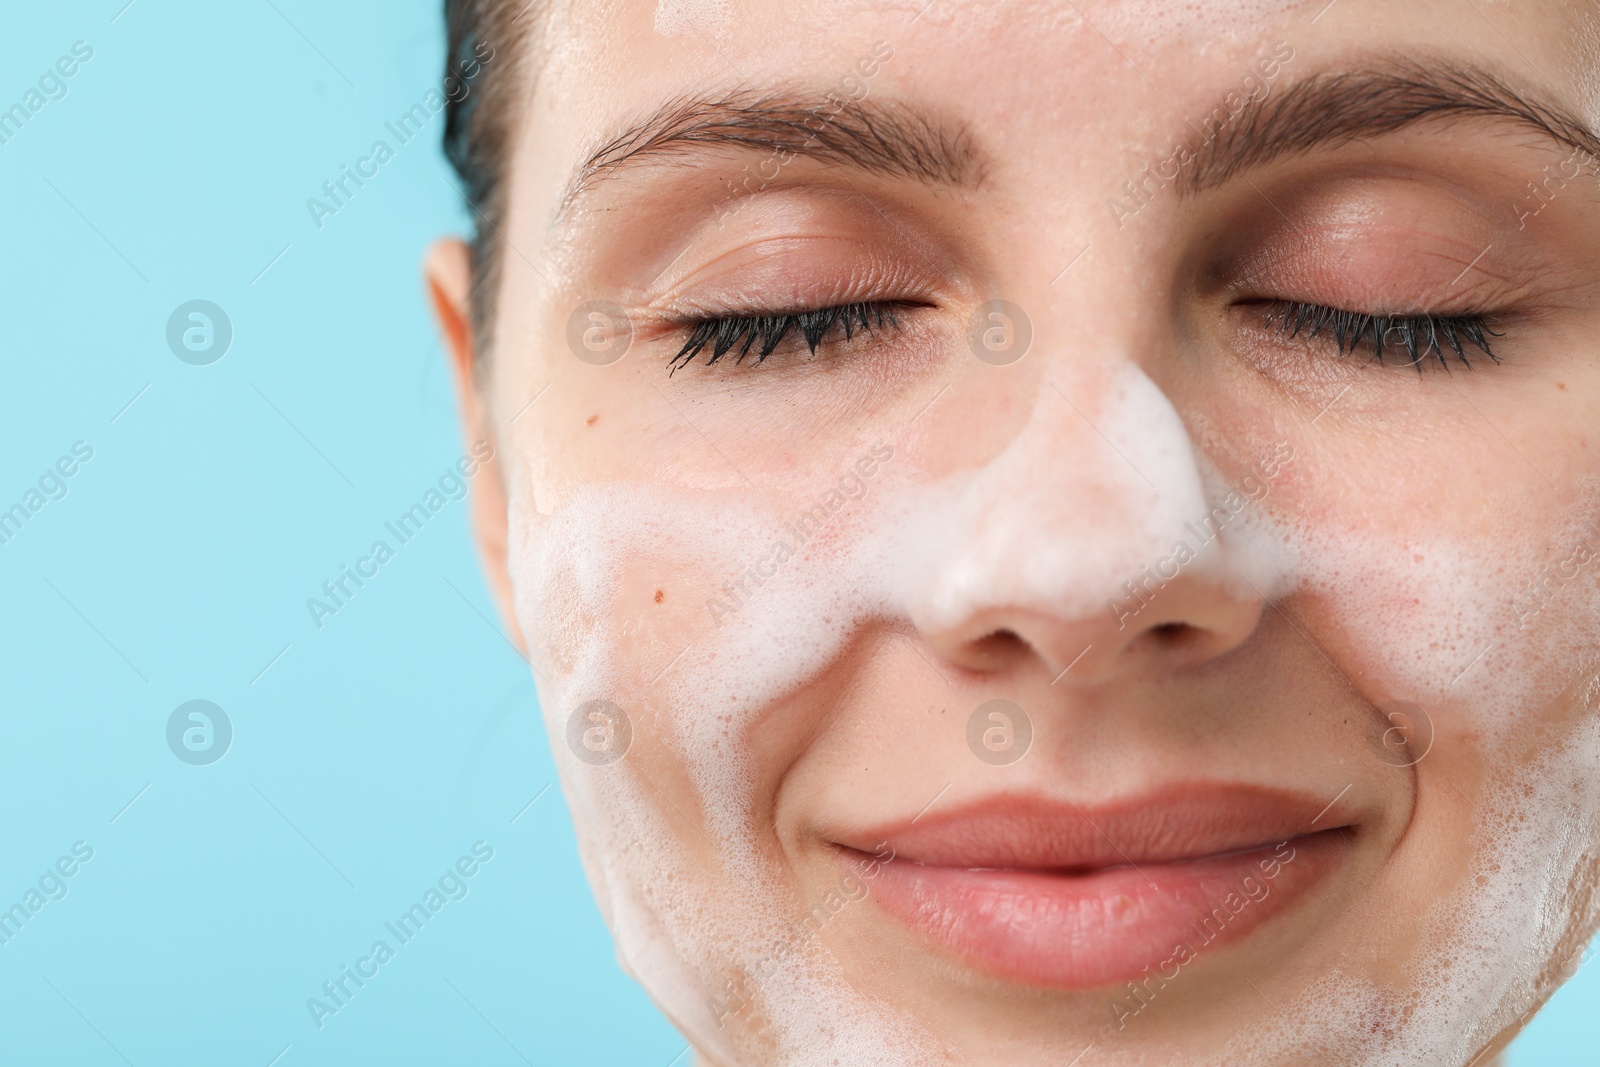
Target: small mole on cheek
{"points": [[1561, 386], [591, 420], [660, 595]]}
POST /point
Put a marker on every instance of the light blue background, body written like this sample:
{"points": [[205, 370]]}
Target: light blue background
{"points": [[368, 755], [375, 751]]}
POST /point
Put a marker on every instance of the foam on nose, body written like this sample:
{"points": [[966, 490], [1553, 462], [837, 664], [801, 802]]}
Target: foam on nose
{"points": [[1093, 489]]}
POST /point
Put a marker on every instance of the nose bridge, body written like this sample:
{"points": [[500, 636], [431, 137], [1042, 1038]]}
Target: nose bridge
{"points": [[1095, 487]]}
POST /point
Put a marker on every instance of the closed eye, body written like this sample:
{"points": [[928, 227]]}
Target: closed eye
{"points": [[1412, 340], [761, 332]]}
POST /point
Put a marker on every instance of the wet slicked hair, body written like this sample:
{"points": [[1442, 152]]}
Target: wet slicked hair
{"points": [[481, 127]]}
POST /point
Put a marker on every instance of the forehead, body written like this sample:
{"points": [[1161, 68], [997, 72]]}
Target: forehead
{"points": [[606, 51], [1062, 84]]}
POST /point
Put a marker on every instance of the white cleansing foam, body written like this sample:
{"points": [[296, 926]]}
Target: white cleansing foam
{"points": [[693, 893]]}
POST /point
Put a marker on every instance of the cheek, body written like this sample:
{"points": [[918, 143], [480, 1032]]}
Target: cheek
{"points": [[673, 608], [676, 828], [1478, 601], [1483, 619], [1437, 535]]}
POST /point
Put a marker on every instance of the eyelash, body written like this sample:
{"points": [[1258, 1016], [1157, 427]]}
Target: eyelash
{"points": [[764, 331], [1418, 337]]}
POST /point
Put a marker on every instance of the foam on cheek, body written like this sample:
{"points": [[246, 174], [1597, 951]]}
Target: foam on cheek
{"points": [[1538, 829], [1446, 623], [684, 931], [1489, 946], [1054, 522]]}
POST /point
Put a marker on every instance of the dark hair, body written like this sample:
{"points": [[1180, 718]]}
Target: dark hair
{"points": [[480, 128]]}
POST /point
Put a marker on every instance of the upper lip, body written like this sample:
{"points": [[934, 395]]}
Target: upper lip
{"points": [[1052, 832]]}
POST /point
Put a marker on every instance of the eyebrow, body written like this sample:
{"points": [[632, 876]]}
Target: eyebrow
{"points": [[887, 139], [896, 140], [1331, 109]]}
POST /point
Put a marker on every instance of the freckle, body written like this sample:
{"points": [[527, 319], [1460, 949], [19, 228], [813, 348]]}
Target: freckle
{"points": [[660, 595], [591, 420]]}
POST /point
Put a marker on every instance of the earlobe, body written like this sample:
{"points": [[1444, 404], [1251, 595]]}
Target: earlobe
{"points": [[448, 271]]}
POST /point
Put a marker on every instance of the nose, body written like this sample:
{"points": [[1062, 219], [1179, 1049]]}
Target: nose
{"points": [[1089, 543]]}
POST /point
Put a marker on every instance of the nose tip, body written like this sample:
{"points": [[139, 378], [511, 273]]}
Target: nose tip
{"points": [[1099, 568], [1180, 628]]}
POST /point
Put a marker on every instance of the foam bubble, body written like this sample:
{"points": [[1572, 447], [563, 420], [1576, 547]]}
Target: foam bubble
{"points": [[680, 18], [697, 901]]}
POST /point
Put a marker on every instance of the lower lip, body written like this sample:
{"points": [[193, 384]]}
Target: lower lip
{"points": [[1082, 930]]}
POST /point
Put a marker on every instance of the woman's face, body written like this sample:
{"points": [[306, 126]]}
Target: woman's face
{"points": [[1105, 654]]}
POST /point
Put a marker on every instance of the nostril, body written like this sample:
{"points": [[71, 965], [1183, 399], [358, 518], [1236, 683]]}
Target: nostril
{"points": [[999, 646], [1175, 636]]}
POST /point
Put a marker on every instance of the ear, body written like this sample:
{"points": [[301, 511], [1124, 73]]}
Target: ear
{"points": [[448, 269]]}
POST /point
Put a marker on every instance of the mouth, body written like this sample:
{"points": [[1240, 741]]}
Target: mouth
{"points": [[1051, 893]]}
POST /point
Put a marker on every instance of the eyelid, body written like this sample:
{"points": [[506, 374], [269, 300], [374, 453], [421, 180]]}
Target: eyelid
{"points": [[1363, 238], [761, 309], [1429, 283], [798, 281]]}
